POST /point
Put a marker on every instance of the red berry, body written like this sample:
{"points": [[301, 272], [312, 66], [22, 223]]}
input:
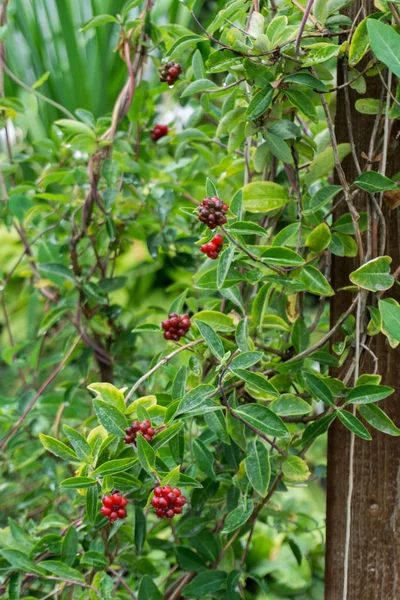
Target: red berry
{"points": [[162, 503], [113, 516], [168, 335], [117, 498], [106, 512], [121, 513], [173, 72], [154, 501], [150, 432], [218, 240], [212, 247], [159, 513], [178, 510], [108, 501], [180, 501], [177, 491], [157, 491], [170, 513], [169, 80], [171, 498]]}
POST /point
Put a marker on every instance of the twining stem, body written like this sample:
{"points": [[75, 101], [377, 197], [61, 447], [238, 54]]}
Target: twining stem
{"points": [[160, 364]]}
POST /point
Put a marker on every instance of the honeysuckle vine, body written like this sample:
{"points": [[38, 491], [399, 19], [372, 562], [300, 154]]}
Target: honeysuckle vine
{"points": [[186, 237]]}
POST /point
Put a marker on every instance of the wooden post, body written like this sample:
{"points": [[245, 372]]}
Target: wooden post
{"points": [[363, 487]]}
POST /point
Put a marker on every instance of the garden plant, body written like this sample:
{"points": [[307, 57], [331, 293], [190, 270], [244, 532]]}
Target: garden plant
{"points": [[174, 198]]}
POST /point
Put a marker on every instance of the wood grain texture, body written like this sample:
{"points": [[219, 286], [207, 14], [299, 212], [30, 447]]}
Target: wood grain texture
{"points": [[374, 555]]}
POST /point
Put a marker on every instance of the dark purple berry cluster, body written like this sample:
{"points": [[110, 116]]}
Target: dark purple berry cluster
{"points": [[176, 326], [213, 248], [158, 132], [145, 429], [168, 502], [212, 212], [170, 72]]}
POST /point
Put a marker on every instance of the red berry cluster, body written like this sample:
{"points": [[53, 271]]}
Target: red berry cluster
{"points": [[170, 72], [212, 212], [145, 429], [168, 502], [114, 507], [158, 132], [213, 248], [175, 326]]}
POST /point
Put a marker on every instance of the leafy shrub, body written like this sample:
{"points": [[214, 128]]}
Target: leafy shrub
{"points": [[102, 243]]}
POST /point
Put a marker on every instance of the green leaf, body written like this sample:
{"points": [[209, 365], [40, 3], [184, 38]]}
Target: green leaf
{"points": [[239, 515], [322, 197], [303, 103], [199, 86], [282, 257], [390, 315], [224, 264], [244, 360], [318, 388], [259, 103], [115, 466], [186, 41], [112, 419], [257, 467], [109, 393], [204, 584], [257, 381], [290, 406], [374, 275], [61, 570], [264, 196], [321, 54], [212, 340], [354, 424], [166, 435], [146, 454], [324, 163], [204, 459], [19, 560], [305, 78], [195, 398], [317, 428], [300, 336], [140, 528], [319, 238], [56, 270], [188, 560], [78, 483], [320, 11], [98, 21], [75, 127], [366, 394], [78, 443], [278, 148], [359, 43], [148, 589], [69, 548], [367, 106], [315, 281], [216, 320], [247, 228], [52, 317], [385, 44], [92, 504], [263, 419], [56, 447], [378, 419], [373, 182], [296, 469]]}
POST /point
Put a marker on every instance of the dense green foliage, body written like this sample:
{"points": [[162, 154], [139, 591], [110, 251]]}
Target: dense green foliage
{"points": [[101, 241]]}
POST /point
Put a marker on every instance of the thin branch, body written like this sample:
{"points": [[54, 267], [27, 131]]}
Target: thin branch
{"points": [[160, 364], [303, 24], [32, 403]]}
